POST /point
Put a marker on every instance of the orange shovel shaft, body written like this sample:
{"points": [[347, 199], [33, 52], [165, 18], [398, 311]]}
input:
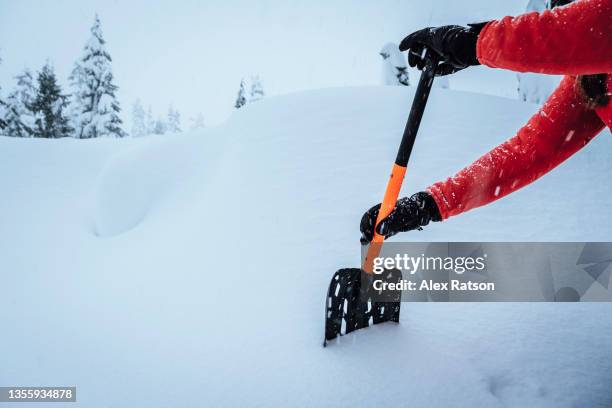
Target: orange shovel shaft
{"points": [[388, 204], [399, 168]]}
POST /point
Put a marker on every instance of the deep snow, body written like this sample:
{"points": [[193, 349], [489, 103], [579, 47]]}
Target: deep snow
{"points": [[191, 270]]}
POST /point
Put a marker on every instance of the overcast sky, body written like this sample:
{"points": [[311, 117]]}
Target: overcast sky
{"points": [[193, 53]]}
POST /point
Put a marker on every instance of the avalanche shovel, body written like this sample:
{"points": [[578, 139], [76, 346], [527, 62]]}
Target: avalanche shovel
{"points": [[352, 303]]}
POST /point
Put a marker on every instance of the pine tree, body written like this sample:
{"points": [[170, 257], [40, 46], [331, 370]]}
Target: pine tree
{"points": [[20, 118], [149, 122], [173, 121], [77, 99], [241, 98], [97, 108], [197, 123], [139, 127], [257, 91], [49, 106], [160, 127]]}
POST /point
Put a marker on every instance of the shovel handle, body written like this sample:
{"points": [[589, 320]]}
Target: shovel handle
{"points": [[401, 161]]}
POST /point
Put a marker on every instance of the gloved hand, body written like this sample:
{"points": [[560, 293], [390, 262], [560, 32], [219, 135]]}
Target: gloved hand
{"points": [[408, 214], [455, 45]]}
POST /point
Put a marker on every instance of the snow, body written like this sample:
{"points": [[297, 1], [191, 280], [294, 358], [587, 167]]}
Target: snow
{"points": [[536, 88], [190, 270]]}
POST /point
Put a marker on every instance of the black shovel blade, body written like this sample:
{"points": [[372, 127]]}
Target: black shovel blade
{"points": [[352, 303]]}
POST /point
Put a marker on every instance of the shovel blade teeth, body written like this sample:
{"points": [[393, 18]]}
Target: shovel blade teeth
{"points": [[352, 303]]}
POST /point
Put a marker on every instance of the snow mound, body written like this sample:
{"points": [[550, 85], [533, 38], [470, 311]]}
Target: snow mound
{"points": [[219, 246], [135, 181]]}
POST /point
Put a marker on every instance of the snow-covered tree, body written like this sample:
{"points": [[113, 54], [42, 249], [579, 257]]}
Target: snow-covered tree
{"points": [[159, 128], [197, 122], [77, 84], [20, 119], [49, 107], [149, 121], [257, 91], [250, 90], [96, 106], [139, 127], [241, 98], [173, 124], [394, 69]]}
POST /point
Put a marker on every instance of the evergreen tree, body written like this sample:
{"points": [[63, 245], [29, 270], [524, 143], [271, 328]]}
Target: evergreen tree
{"points": [[173, 121], [241, 98], [96, 106], [139, 127], [197, 123], [257, 91], [160, 127], [48, 107], [149, 122], [20, 118], [77, 98]]}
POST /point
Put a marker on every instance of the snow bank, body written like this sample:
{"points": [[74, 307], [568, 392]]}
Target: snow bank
{"points": [[135, 181], [192, 269]]}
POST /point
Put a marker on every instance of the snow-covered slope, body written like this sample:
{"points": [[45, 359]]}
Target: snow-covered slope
{"points": [[191, 270]]}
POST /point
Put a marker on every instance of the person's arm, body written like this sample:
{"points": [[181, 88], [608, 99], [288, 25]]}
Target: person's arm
{"points": [[563, 126], [572, 40]]}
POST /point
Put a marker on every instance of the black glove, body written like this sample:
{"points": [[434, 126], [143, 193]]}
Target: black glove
{"points": [[408, 214], [455, 45], [595, 89]]}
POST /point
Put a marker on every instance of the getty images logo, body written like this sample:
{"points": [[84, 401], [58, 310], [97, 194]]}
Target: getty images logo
{"points": [[412, 264]]}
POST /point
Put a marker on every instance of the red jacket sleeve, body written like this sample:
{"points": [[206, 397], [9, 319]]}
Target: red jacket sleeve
{"points": [[559, 129], [572, 40]]}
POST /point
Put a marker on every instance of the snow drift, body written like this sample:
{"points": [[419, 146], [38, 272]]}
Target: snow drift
{"points": [[192, 269]]}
